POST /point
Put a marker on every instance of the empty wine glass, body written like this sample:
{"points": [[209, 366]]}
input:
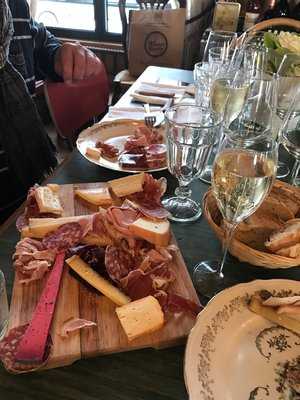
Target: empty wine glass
{"points": [[219, 39], [191, 133], [243, 174]]}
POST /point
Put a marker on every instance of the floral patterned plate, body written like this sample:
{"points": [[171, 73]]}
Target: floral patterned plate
{"points": [[234, 354]]}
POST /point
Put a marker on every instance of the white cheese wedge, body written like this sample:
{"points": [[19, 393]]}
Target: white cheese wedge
{"points": [[93, 152], [128, 185], [96, 196], [156, 232], [140, 317], [47, 200], [99, 283]]}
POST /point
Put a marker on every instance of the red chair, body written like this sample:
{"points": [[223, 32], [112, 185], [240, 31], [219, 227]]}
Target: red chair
{"points": [[72, 105]]}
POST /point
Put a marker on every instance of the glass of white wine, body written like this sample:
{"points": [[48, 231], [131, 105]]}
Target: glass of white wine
{"points": [[191, 134], [242, 177]]}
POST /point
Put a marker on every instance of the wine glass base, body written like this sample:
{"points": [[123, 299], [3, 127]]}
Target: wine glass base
{"points": [[182, 209], [207, 279], [282, 170], [206, 175]]}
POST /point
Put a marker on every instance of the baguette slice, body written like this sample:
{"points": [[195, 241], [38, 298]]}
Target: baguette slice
{"points": [[140, 317], [93, 152], [288, 236], [271, 315], [156, 232], [128, 185], [48, 201], [97, 281], [96, 196]]}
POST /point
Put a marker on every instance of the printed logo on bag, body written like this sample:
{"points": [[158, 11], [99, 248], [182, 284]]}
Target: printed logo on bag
{"points": [[156, 44]]}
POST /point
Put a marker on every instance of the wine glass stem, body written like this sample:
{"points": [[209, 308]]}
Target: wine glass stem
{"points": [[229, 231], [183, 191], [295, 172]]}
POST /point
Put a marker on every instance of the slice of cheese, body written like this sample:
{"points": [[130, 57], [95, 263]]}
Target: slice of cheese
{"points": [[99, 283], [156, 232], [140, 317], [39, 227], [48, 201], [128, 185], [96, 196], [270, 314], [93, 152]]}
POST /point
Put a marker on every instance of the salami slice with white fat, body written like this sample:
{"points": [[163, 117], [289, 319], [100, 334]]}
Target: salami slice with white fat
{"points": [[118, 263], [8, 349], [64, 237]]}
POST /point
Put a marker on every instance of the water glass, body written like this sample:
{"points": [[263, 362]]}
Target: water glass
{"points": [[220, 55], [203, 75], [191, 134], [3, 306], [219, 39]]}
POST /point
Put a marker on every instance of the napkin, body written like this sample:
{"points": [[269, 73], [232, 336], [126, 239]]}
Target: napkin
{"points": [[159, 93], [126, 112]]}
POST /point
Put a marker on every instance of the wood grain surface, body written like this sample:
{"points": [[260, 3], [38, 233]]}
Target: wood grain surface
{"points": [[76, 300]]}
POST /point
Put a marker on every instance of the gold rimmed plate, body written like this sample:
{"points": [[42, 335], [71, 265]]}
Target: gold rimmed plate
{"points": [[114, 133]]}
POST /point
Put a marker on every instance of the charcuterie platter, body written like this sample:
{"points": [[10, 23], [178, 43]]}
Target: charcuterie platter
{"points": [[124, 145], [103, 304]]}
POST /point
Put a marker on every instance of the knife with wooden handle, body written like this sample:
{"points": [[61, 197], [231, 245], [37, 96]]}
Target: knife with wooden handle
{"points": [[33, 344]]}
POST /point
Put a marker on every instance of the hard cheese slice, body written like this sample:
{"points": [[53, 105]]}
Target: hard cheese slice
{"points": [[96, 196], [99, 283], [33, 344]]}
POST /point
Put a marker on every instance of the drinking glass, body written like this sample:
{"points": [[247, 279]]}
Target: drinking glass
{"points": [[191, 133], [290, 134], [242, 177], [3, 306], [219, 39], [203, 75], [220, 55]]}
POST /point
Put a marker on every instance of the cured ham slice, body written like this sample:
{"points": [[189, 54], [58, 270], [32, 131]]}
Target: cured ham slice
{"points": [[121, 218], [74, 324], [107, 150], [8, 350], [176, 304]]}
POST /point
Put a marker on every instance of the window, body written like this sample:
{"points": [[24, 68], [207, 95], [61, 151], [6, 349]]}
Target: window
{"points": [[84, 19]]}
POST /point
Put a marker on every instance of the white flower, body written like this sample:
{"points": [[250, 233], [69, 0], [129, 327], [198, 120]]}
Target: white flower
{"points": [[290, 41]]}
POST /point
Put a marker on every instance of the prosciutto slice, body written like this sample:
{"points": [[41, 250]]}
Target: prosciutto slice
{"points": [[122, 218], [74, 324]]}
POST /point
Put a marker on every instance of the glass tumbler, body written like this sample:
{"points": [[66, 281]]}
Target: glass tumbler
{"points": [[3, 306], [191, 133]]}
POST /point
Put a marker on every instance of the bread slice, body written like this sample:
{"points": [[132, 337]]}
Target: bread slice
{"points": [[273, 206], [93, 152], [140, 317], [128, 185], [288, 236], [156, 232], [48, 201], [291, 251], [96, 196]]}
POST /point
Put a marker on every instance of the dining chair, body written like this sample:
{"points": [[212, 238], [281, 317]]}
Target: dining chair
{"points": [[123, 79], [72, 105]]}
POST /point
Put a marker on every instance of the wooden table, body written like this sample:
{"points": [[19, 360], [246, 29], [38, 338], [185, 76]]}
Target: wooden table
{"points": [[138, 375]]}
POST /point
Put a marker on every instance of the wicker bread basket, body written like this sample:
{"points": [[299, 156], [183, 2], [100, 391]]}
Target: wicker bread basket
{"points": [[239, 249]]}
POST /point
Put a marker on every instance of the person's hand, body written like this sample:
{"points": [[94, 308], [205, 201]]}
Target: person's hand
{"points": [[74, 62]]}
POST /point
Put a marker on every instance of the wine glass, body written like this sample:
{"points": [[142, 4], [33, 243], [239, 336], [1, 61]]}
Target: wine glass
{"points": [[191, 133], [290, 134], [219, 39], [242, 176], [228, 94]]}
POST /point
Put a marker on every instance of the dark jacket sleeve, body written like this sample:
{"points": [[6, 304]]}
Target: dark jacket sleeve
{"points": [[45, 47]]}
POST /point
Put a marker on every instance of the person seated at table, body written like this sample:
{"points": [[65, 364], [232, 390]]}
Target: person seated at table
{"points": [[28, 51]]}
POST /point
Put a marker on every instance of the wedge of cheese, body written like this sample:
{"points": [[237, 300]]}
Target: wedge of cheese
{"points": [[39, 227], [96, 196], [140, 317], [128, 185], [156, 232], [93, 152], [99, 283], [270, 314], [48, 201]]}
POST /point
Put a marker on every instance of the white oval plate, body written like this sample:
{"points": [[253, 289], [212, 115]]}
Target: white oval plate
{"points": [[114, 133], [235, 354]]}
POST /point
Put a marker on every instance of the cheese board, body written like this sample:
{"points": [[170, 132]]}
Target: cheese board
{"points": [[76, 300]]}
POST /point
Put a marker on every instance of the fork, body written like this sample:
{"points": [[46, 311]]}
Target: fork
{"points": [[150, 118]]}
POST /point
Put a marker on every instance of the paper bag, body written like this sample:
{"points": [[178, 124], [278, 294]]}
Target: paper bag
{"points": [[156, 37]]}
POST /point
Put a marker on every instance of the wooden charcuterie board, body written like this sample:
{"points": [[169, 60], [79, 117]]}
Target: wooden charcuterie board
{"points": [[76, 300]]}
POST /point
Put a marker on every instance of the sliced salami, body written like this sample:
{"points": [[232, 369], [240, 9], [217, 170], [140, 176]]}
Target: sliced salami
{"points": [[118, 263], [64, 237], [8, 350]]}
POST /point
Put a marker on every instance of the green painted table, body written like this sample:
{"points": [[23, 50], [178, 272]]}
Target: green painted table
{"points": [[137, 375]]}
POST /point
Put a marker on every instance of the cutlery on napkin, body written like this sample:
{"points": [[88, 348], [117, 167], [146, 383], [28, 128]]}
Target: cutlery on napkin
{"points": [[33, 344]]}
